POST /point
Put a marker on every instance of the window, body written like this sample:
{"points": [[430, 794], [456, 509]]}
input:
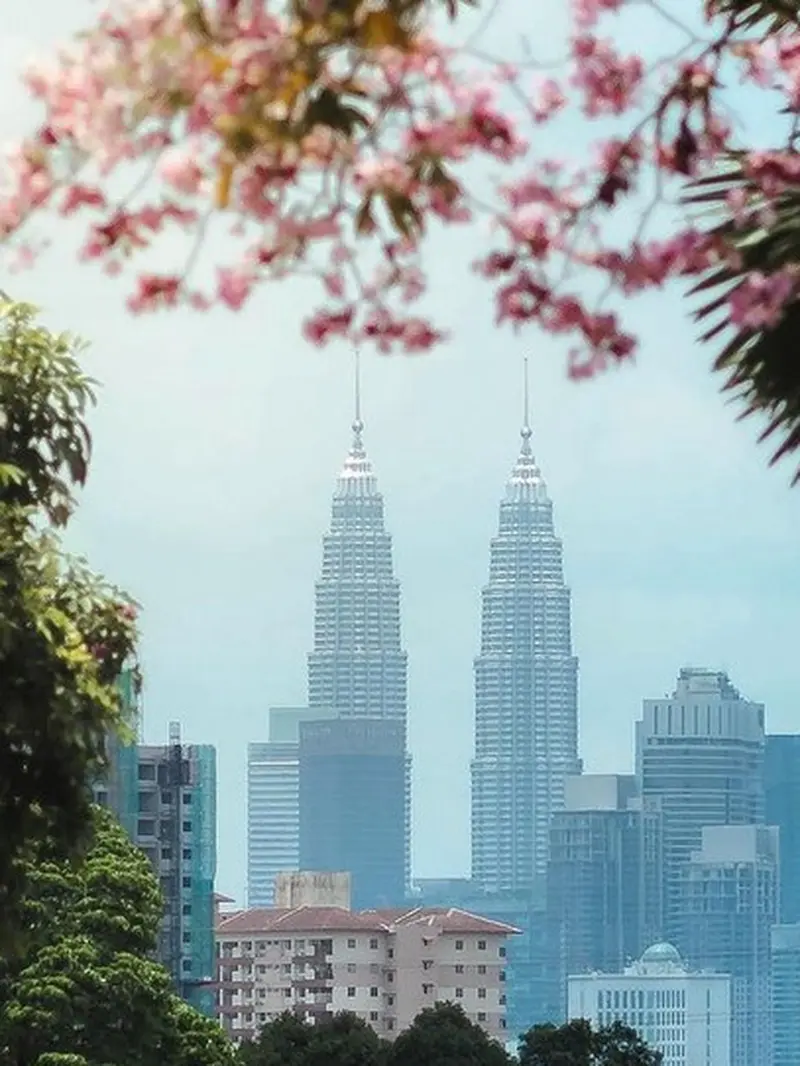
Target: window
{"points": [[459, 968], [147, 771], [187, 908], [166, 853], [351, 993], [187, 853], [187, 828], [187, 966], [390, 976], [351, 943], [390, 1023], [390, 1001], [351, 967], [427, 989], [247, 946], [502, 1023], [481, 945], [427, 963], [187, 938], [187, 799], [481, 993], [187, 882], [374, 992], [459, 993], [373, 943], [502, 951], [459, 945], [390, 953], [503, 976], [373, 1016], [481, 968], [481, 1015], [146, 827], [102, 799]]}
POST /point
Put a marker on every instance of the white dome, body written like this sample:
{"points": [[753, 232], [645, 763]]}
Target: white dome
{"points": [[662, 953]]}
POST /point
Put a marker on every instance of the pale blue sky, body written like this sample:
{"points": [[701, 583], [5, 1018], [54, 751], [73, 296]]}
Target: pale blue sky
{"points": [[218, 440]]}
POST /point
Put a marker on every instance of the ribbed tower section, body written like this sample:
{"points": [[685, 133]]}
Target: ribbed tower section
{"points": [[526, 690], [358, 665]]}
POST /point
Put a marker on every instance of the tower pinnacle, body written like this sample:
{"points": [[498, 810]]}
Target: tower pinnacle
{"points": [[358, 424], [526, 431]]}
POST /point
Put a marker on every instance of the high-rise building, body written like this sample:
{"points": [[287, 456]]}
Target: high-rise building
{"points": [[728, 904], [683, 1014], [273, 801], [353, 805], [700, 754], [526, 690], [786, 994], [177, 830], [782, 790], [358, 666], [604, 878], [165, 796]]}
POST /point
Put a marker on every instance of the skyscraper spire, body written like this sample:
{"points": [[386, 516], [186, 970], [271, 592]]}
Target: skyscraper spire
{"points": [[526, 431], [358, 424], [526, 722]]}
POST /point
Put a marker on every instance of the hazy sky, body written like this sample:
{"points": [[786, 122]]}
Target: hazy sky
{"points": [[218, 440]]}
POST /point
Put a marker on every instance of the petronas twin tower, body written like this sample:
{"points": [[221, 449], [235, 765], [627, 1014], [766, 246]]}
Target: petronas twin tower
{"points": [[526, 721]]}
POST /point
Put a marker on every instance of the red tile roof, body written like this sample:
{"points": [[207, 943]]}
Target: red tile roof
{"points": [[300, 920], [339, 920]]}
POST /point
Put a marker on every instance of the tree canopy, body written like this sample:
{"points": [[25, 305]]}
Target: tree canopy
{"points": [[577, 1044], [85, 991], [333, 136], [65, 634], [344, 1040]]}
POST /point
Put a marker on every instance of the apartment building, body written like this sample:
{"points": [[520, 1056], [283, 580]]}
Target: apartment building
{"points": [[384, 966]]}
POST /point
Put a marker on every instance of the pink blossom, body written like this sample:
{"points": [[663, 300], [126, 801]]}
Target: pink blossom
{"points": [[758, 301], [234, 286], [180, 169]]}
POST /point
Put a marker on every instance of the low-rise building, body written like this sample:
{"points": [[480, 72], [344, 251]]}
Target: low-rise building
{"points": [[383, 966], [683, 1014]]}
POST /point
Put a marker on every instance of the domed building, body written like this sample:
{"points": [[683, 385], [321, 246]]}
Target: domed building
{"points": [[683, 1014]]}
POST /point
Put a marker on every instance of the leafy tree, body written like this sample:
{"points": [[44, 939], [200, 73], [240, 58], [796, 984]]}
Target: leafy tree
{"points": [[343, 1040], [85, 994], [444, 1036], [339, 133], [65, 634], [577, 1044]]}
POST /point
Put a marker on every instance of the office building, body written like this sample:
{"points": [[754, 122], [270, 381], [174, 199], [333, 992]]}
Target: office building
{"points": [[727, 906], [700, 755], [353, 804], [604, 879], [383, 966], [273, 801], [785, 942], [683, 1014], [782, 795], [357, 665], [526, 690]]}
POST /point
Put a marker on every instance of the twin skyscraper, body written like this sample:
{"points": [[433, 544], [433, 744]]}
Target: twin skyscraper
{"points": [[331, 788]]}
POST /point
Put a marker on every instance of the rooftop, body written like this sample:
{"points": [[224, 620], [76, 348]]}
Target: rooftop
{"points": [[308, 919]]}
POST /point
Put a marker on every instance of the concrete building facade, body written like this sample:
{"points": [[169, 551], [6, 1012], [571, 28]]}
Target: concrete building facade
{"points": [[273, 801], [727, 906], [383, 966], [683, 1014], [353, 803], [785, 943], [700, 755], [782, 804], [604, 878]]}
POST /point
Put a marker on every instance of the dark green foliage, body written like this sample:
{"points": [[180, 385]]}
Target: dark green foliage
{"points": [[344, 1040], [84, 993], [577, 1044], [444, 1036], [65, 635]]}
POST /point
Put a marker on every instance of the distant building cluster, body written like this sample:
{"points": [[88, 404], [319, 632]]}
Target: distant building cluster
{"points": [[668, 898]]}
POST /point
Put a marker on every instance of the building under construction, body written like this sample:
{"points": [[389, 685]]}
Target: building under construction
{"points": [[165, 796]]}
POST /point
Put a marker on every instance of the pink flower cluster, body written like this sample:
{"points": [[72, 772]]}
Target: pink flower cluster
{"points": [[352, 198]]}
